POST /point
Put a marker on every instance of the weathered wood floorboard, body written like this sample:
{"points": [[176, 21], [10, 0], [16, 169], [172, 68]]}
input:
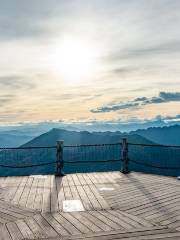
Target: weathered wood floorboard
{"points": [[116, 206]]}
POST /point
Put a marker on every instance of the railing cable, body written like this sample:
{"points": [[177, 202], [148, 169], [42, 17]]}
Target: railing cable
{"points": [[154, 166], [28, 166]]}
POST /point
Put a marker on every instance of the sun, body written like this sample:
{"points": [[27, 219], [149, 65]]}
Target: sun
{"points": [[75, 60]]}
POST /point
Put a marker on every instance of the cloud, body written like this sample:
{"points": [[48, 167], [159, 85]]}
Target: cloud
{"points": [[142, 52], [163, 97], [6, 98], [115, 107], [16, 82], [20, 18], [123, 125]]}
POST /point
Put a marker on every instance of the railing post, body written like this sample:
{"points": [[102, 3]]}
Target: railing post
{"points": [[59, 158], [125, 159]]}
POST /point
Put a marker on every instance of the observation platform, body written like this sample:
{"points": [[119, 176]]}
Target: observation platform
{"points": [[106, 205]]}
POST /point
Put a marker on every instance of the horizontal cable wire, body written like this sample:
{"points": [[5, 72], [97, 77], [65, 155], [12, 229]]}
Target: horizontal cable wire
{"points": [[154, 166], [26, 148], [84, 153], [92, 161], [93, 145], [28, 166], [154, 145]]}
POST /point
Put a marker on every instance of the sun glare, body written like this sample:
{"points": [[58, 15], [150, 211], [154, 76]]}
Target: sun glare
{"points": [[75, 60]]}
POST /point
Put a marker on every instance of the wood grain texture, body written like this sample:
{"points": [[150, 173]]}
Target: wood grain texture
{"points": [[116, 206]]}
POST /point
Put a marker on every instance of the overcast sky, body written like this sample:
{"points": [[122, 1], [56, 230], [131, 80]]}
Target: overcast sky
{"points": [[134, 70]]}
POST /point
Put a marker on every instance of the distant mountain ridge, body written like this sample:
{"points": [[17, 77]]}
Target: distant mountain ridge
{"points": [[13, 140], [73, 138], [161, 135]]}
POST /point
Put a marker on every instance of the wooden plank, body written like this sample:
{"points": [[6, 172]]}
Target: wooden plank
{"points": [[59, 228], [100, 199], [54, 195], [81, 179], [6, 216], [47, 228], [14, 231], [11, 214], [65, 223], [2, 180], [6, 182], [16, 181], [103, 177], [4, 233], [92, 178], [139, 234], [16, 209], [100, 224], [9, 189], [134, 219], [108, 178], [70, 180], [86, 221], [67, 193], [96, 177], [60, 192], [111, 223], [46, 206], [76, 180], [24, 229], [110, 215], [84, 198], [19, 191], [135, 207], [94, 202], [80, 226], [25, 194], [32, 194], [38, 200], [35, 228], [86, 179], [65, 182], [3, 220], [75, 194], [154, 212]]}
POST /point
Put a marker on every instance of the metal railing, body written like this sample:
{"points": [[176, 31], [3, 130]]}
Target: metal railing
{"points": [[156, 156], [123, 155]]}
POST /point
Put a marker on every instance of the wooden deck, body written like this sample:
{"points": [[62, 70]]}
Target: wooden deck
{"points": [[112, 206]]}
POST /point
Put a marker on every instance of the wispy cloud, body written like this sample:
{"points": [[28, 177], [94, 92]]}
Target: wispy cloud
{"points": [[163, 97], [16, 82], [6, 98], [20, 19], [130, 124], [144, 51]]}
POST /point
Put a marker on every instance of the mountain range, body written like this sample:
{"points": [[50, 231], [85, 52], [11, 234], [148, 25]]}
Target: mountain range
{"points": [[13, 139], [161, 135], [16, 137]]}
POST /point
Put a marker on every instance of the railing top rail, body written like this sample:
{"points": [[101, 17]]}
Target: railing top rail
{"points": [[153, 145], [91, 145], [66, 146], [94, 145]]}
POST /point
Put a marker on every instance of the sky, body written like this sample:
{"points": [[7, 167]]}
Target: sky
{"points": [[89, 60]]}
